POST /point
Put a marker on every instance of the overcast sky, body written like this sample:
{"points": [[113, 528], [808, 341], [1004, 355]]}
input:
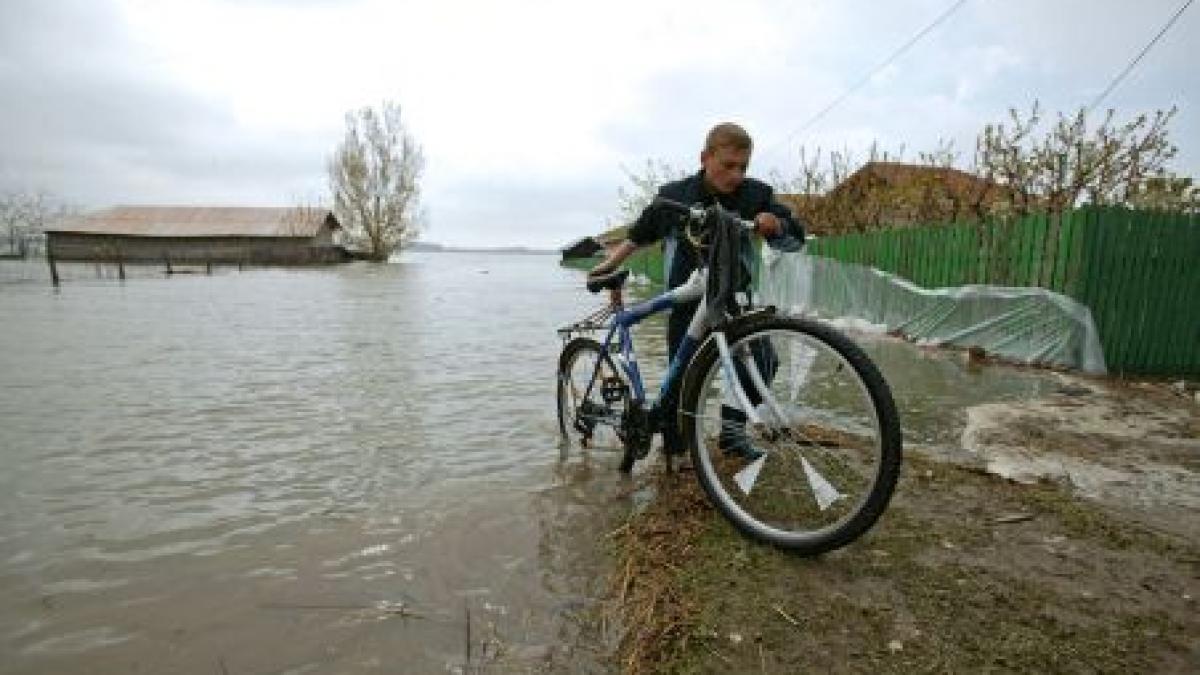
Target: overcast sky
{"points": [[527, 111]]}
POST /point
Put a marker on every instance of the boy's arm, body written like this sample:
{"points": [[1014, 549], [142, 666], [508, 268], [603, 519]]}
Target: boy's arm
{"points": [[647, 229], [615, 257]]}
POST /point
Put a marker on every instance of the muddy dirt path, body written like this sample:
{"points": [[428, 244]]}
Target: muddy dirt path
{"points": [[1059, 536]]}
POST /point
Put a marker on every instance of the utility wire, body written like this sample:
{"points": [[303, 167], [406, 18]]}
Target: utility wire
{"points": [[1117, 80], [867, 78]]}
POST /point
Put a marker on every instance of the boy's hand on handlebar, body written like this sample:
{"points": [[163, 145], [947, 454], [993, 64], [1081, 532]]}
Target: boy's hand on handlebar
{"points": [[601, 269], [767, 225], [614, 259]]}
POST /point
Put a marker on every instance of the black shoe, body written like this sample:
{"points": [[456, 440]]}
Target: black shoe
{"points": [[732, 439], [672, 443]]}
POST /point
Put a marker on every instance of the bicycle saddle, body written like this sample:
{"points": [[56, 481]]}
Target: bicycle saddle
{"points": [[610, 281]]}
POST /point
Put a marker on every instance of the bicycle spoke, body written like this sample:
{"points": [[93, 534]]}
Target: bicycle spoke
{"points": [[585, 417], [801, 470]]}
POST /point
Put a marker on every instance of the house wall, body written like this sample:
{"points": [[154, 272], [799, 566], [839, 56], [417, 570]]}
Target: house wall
{"points": [[194, 250]]}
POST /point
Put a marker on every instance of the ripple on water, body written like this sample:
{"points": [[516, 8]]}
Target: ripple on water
{"points": [[62, 586], [78, 642]]}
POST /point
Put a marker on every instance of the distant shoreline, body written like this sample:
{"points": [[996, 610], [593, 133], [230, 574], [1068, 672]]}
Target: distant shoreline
{"points": [[429, 247]]}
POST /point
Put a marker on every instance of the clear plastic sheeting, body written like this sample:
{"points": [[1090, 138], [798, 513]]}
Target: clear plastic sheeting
{"points": [[1026, 325]]}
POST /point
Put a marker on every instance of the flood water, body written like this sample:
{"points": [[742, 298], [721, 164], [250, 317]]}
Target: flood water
{"points": [[342, 469], [320, 470]]}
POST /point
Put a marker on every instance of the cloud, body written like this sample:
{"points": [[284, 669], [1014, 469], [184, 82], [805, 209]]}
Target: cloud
{"points": [[98, 122], [527, 111]]}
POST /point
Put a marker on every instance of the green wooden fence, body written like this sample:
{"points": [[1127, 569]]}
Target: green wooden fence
{"points": [[1138, 272]]}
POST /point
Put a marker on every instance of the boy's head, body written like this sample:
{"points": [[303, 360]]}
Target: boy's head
{"points": [[725, 157]]}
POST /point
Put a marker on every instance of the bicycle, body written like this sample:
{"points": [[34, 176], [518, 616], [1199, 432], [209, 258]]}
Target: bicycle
{"points": [[791, 428]]}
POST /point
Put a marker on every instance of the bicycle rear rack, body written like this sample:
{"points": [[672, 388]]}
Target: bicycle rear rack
{"points": [[596, 321]]}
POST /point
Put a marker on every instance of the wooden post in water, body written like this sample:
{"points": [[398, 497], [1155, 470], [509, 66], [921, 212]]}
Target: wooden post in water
{"points": [[53, 267]]}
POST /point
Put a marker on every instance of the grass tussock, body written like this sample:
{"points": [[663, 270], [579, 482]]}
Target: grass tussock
{"points": [[654, 548]]}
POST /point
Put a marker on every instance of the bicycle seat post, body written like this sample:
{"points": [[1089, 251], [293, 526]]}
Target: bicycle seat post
{"points": [[616, 298]]}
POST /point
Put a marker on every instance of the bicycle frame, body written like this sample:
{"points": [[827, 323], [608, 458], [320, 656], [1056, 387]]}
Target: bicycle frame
{"points": [[692, 290]]}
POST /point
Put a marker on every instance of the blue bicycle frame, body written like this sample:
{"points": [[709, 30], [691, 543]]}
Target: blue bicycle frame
{"points": [[624, 319]]}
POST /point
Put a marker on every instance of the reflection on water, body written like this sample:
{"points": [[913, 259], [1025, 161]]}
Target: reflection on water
{"points": [[342, 469]]}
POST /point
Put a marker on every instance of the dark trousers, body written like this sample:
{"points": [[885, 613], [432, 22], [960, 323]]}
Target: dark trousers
{"points": [[677, 325], [761, 351]]}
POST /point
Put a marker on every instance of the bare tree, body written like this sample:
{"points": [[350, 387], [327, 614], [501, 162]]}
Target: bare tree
{"points": [[375, 176], [1017, 170], [642, 188], [1071, 165], [832, 192], [25, 213], [806, 192], [298, 219], [12, 215]]}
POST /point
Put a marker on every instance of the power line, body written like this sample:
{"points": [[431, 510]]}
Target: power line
{"points": [[867, 78], [1117, 80]]}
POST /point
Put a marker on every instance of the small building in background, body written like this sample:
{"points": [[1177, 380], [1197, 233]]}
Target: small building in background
{"points": [[199, 235]]}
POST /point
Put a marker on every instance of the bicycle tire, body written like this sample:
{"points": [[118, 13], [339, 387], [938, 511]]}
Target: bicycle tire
{"points": [[844, 434], [570, 390]]}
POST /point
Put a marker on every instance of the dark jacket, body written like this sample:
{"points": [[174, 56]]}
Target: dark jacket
{"points": [[751, 198]]}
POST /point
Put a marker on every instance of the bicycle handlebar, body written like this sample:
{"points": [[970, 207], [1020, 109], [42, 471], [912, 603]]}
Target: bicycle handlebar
{"points": [[697, 213], [615, 278]]}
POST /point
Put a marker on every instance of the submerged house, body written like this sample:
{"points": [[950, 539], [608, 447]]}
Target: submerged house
{"points": [[199, 235]]}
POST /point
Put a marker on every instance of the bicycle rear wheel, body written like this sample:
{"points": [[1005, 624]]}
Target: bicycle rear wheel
{"points": [[590, 412], [820, 466]]}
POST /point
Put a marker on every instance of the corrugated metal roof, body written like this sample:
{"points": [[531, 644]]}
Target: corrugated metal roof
{"points": [[201, 221]]}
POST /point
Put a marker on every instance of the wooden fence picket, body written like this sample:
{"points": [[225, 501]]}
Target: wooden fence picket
{"points": [[1138, 272]]}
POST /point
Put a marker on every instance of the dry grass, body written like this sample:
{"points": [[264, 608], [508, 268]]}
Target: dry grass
{"points": [[647, 603]]}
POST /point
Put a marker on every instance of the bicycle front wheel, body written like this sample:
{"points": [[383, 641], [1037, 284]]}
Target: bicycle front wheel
{"points": [[813, 464]]}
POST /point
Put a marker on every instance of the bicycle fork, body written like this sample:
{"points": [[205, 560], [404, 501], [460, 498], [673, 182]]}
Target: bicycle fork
{"points": [[769, 416]]}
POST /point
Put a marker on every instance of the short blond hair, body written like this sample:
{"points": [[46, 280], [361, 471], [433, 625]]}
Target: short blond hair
{"points": [[727, 135]]}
